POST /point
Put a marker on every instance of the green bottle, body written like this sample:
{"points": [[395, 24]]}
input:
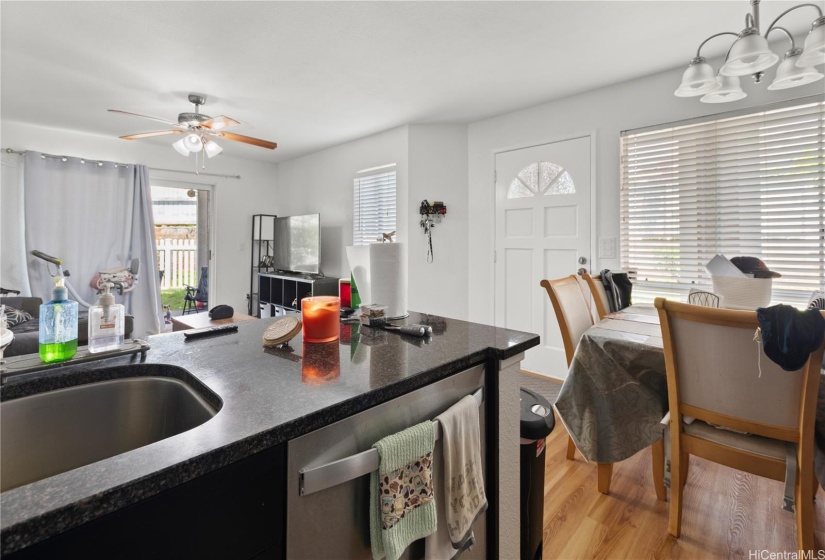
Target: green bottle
{"points": [[58, 326], [354, 296]]}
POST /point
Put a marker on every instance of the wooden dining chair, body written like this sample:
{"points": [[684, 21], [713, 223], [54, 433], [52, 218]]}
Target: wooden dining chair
{"points": [[574, 318], [598, 293], [719, 375]]}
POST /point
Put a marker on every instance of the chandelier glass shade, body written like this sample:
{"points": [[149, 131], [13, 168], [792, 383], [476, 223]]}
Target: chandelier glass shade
{"points": [[728, 90], [750, 54], [789, 74], [698, 79], [813, 51]]}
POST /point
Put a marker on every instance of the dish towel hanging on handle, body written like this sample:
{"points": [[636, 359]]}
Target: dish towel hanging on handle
{"points": [[402, 509], [460, 483]]}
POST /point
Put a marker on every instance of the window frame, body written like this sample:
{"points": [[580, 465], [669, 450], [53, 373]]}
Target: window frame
{"points": [[375, 191], [736, 160]]}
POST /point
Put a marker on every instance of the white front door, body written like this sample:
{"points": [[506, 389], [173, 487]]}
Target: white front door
{"points": [[543, 215]]}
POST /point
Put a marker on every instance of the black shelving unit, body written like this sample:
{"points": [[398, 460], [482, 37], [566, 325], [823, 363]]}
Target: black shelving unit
{"points": [[261, 252], [283, 292]]}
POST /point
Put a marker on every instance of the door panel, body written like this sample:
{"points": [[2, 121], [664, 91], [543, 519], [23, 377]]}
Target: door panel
{"points": [[519, 302], [543, 228], [519, 222]]}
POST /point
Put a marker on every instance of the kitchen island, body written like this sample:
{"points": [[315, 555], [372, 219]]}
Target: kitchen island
{"points": [[267, 398]]}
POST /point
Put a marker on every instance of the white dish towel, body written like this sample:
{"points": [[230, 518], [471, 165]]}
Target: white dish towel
{"points": [[458, 481]]}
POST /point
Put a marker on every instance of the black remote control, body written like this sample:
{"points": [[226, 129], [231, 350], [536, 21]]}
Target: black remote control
{"points": [[209, 331]]}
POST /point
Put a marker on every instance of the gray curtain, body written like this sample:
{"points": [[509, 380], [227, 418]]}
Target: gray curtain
{"points": [[13, 272], [93, 217]]}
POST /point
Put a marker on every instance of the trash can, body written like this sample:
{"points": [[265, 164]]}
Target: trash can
{"points": [[537, 422]]}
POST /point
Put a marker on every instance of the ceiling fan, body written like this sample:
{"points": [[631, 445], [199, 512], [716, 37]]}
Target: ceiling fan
{"points": [[200, 130]]}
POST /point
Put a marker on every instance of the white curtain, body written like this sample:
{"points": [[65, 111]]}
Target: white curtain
{"points": [[93, 217], [14, 274]]}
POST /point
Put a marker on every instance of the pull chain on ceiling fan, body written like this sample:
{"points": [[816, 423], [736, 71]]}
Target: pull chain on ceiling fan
{"points": [[200, 131]]}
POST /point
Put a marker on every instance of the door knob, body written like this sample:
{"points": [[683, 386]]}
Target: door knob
{"points": [[582, 271], [582, 260]]}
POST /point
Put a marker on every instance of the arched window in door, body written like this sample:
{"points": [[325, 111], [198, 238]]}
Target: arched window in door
{"points": [[540, 179]]}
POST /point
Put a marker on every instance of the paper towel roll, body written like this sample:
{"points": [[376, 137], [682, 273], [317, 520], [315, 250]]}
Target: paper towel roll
{"points": [[388, 277], [359, 263]]}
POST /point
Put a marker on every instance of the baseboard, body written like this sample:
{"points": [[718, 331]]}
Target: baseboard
{"points": [[542, 376]]}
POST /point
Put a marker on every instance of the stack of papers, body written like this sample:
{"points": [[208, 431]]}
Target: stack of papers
{"points": [[721, 266]]}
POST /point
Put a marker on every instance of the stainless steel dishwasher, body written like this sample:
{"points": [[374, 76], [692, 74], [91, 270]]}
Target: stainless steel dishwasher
{"points": [[328, 508]]}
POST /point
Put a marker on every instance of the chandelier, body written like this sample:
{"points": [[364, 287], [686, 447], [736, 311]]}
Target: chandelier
{"points": [[750, 54]]}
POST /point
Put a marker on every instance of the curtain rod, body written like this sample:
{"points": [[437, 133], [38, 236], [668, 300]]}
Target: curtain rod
{"points": [[64, 158]]}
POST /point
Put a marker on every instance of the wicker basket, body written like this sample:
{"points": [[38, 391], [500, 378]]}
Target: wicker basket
{"points": [[743, 293]]}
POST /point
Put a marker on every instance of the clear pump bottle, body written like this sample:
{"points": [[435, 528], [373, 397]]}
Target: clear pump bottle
{"points": [[58, 326], [106, 323]]}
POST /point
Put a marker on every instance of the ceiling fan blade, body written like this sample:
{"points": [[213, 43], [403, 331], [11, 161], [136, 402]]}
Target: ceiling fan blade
{"points": [[150, 134], [247, 140], [217, 123], [164, 121]]}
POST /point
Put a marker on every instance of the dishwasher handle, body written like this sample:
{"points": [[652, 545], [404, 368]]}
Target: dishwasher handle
{"points": [[315, 479]]}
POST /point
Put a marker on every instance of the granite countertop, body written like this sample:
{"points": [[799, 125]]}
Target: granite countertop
{"points": [[266, 397]]}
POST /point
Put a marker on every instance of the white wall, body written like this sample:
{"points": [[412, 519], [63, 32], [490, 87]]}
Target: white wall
{"points": [[438, 171], [606, 112], [234, 200], [323, 182], [431, 163]]}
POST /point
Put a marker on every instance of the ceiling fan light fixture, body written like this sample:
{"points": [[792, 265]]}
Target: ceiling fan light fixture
{"points": [[193, 142], [197, 130], [813, 52], [180, 147], [789, 74], [212, 148], [749, 54]]}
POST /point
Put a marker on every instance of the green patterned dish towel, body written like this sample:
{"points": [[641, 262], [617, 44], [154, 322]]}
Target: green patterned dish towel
{"points": [[402, 509]]}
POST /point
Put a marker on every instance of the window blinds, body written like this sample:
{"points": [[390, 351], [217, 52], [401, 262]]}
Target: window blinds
{"points": [[373, 207], [745, 185]]}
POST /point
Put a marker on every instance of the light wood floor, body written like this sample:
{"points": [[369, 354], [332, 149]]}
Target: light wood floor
{"points": [[726, 513]]}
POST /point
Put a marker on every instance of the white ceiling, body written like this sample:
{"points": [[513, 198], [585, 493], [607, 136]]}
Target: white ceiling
{"points": [[309, 75]]}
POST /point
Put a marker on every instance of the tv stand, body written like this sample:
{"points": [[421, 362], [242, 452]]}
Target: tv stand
{"points": [[295, 274], [280, 293]]}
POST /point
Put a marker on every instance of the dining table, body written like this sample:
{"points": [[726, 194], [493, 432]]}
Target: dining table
{"points": [[615, 394]]}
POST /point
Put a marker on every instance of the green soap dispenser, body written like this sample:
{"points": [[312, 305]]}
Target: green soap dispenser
{"points": [[58, 326]]}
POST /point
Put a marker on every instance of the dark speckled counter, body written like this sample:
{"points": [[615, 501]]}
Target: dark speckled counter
{"points": [[266, 397]]}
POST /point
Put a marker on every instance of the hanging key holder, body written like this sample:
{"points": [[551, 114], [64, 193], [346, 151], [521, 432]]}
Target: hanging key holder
{"points": [[430, 215]]}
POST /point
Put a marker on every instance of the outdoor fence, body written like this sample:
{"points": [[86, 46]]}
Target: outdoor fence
{"points": [[177, 263]]}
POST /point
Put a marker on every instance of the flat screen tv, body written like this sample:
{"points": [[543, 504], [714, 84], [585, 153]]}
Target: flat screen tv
{"points": [[297, 244]]}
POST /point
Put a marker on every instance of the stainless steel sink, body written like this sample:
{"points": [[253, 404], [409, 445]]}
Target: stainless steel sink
{"points": [[50, 433]]}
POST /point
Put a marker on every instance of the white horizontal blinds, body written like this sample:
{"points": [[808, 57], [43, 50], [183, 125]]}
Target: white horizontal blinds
{"points": [[746, 185], [374, 206]]}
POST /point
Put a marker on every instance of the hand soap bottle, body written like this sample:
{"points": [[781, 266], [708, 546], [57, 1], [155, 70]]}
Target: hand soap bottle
{"points": [[58, 326], [106, 322]]}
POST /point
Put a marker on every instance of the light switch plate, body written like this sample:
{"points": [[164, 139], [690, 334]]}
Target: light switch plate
{"points": [[607, 247]]}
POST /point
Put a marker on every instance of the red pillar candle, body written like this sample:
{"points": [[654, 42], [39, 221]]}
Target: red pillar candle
{"points": [[344, 292], [320, 316]]}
